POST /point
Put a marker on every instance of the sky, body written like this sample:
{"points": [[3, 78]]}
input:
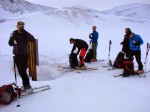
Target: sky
{"points": [[95, 4]]}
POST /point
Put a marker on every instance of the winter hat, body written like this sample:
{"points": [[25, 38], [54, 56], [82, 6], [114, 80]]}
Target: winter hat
{"points": [[20, 23], [71, 39]]}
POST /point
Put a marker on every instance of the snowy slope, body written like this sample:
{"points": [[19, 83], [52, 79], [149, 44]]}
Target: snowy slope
{"points": [[76, 14], [12, 9], [21, 6], [135, 10], [89, 91]]}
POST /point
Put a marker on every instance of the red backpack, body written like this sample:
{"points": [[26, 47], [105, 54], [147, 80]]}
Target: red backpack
{"points": [[119, 61], [128, 68], [8, 93]]}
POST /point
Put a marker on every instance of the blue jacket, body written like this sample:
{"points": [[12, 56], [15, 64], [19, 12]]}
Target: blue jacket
{"points": [[94, 36], [135, 42]]}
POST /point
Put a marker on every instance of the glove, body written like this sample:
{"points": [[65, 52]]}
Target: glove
{"points": [[90, 35], [15, 42], [135, 43]]}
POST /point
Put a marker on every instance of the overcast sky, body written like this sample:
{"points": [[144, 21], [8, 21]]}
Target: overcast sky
{"points": [[96, 4]]}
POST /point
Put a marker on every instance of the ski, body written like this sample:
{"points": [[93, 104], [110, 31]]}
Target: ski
{"points": [[61, 68], [113, 68], [35, 90], [105, 66], [140, 75], [118, 75]]}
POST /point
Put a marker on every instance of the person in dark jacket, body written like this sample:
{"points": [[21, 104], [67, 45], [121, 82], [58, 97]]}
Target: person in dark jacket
{"points": [[135, 50], [19, 40], [125, 44], [82, 48], [94, 39]]}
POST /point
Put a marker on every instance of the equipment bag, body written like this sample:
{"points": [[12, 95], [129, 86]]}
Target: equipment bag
{"points": [[73, 60], [119, 61], [89, 56], [8, 93], [128, 68]]}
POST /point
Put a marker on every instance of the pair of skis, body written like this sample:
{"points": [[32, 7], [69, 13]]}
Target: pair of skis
{"points": [[35, 90], [77, 69], [109, 60], [140, 75], [31, 92]]}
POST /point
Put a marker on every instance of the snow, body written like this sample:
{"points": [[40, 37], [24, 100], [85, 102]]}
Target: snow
{"points": [[89, 91]]}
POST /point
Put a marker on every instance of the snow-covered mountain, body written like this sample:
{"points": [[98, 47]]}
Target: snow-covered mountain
{"points": [[21, 6], [10, 9], [76, 14], [136, 10]]}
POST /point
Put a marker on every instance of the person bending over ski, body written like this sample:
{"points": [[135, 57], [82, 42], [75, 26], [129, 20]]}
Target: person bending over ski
{"points": [[19, 40], [125, 43], [135, 50], [82, 48], [94, 37]]}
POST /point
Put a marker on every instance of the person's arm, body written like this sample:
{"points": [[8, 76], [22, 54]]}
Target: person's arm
{"points": [[140, 40], [73, 48], [12, 40]]}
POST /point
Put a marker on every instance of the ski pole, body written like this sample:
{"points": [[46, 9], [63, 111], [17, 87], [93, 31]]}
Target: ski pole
{"points": [[109, 61], [18, 105], [147, 51]]}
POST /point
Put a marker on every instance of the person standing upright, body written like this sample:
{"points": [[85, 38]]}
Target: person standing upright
{"points": [[135, 50], [19, 40], [94, 40], [125, 43]]}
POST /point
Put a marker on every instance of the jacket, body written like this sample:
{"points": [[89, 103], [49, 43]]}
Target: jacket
{"points": [[79, 44], [19, 41], [135, 42], [94, 36]]}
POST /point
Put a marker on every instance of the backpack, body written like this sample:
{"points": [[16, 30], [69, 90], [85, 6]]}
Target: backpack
{"points": [[119, 61], [8, 93], [128, 68], [89, 56], [73, 60]]}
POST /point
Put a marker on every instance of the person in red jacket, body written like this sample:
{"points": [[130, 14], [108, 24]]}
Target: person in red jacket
{"points": [[82, 48]]}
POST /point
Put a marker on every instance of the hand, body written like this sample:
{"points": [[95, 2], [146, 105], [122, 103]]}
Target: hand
{"points": [[15, 42], [90, 35]]}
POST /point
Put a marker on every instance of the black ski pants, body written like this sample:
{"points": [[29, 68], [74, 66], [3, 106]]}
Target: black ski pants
{"points": [[137, 55], [21, 62]]}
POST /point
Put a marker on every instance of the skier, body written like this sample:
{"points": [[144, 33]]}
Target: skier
{"points": [[19, 40], [135, 50], [125, 43], [82, 48], [94, 37]]}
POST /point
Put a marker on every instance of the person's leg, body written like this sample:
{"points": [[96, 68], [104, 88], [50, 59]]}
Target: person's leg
{"points": [[94, 47], [131, 54], [138, 59], [82, 55], [21, 62]]}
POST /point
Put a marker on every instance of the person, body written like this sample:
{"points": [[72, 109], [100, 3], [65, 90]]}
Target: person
{"points": [[82, 48], [94, 39], [19, 40], [135, 50], [125, 43]]}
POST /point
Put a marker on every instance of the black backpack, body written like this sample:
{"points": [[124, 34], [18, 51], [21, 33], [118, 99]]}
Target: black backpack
{"points": [[119, 61], [89, 56], [128, 68], [73, 60]]}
